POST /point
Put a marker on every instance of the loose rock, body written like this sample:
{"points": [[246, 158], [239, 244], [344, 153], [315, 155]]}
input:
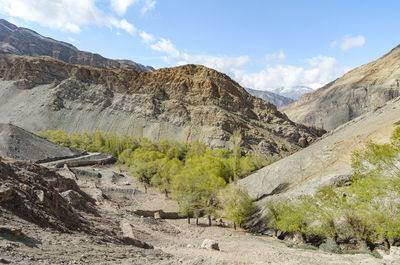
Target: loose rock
{"points": [[210, 244]]}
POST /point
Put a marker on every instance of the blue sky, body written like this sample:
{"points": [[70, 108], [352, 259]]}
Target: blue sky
{"points": [[261, 44]]}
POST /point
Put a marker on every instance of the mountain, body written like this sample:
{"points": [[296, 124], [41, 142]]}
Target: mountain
{"points": [[326, 162], [185, 103], [361, 90], [19, 144], [275, 99], [294, 93], [23, 41]]}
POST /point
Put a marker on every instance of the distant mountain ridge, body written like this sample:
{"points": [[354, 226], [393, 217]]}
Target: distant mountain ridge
{"points": [[362, 89], [274, 98], [23, 41], [294, 93]]}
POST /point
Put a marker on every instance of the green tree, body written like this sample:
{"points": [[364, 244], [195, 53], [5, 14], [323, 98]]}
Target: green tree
{"points": [[235, 142], [236, 204], [196, 188], [167, 169]]}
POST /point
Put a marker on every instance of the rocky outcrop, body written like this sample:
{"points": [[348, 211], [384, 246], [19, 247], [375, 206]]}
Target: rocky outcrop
{"points": [[17, 143], [187, 103], [326, 162], [36, 194], [271, 97], [359, 91], [23, 41]]}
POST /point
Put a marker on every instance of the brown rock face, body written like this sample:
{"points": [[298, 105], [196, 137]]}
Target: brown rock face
{"points": [[24, 41], [357, 92], [186, 103]]}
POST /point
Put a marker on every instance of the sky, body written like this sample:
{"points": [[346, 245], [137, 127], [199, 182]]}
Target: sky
{"points": [[261, 44]]}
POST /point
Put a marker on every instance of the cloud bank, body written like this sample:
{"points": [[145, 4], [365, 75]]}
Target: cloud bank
{"points": [[320, 70], [349, 42]]}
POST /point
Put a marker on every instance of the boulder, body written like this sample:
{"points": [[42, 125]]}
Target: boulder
{"points": [[210, 244], [95, 193], [74, 199], [126, 228], [5, 193], [303, 142], [128, 236], [39, 195], [157, 215]]}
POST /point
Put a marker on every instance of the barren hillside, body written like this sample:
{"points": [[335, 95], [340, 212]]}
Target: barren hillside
{"points": [[325, 161], [357, 92]]}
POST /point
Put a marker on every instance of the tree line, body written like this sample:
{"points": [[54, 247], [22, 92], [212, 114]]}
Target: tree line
{"points": [[202, 180]]}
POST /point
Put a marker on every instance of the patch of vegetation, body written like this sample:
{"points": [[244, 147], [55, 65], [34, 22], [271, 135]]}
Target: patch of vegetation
{"points": [[330, 246], [355, 252], [301, 246], [368, 209], [193, 174]]}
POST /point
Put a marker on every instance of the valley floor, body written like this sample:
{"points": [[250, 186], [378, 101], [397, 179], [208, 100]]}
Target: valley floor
{"points": [[174, 241]]}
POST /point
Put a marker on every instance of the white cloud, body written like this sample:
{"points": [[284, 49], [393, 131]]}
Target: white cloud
{"points": [[146, 37], [165, 46], [349, 42], [65, 15], [123, 24], [147, 6], [276, 56], [223, 64], [321, 71], [120, 6]]}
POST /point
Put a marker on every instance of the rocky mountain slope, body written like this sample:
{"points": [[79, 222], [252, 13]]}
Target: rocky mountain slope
{"points": [[274, 98], [23, 41], [19, 144], [326, 162], [186, 103], [357, 92]]}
